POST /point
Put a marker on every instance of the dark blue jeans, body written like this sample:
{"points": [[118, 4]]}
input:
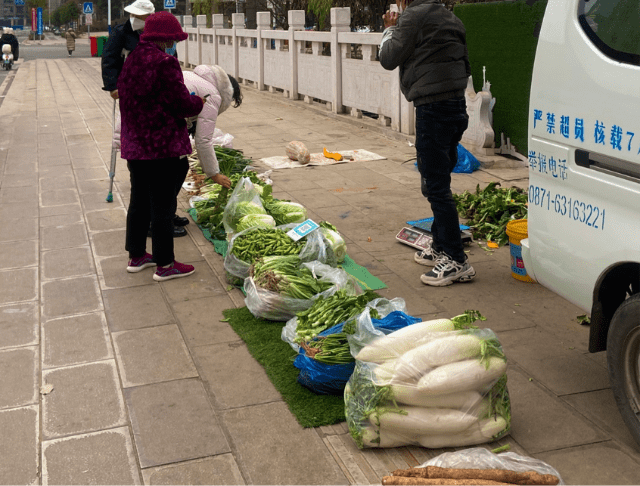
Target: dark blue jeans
{"points": [[439, 128]]}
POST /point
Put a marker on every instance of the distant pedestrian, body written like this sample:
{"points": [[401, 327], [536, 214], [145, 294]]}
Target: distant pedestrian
{"points": [[71, 40], [428, 42], [154, 103], [9, 38]]}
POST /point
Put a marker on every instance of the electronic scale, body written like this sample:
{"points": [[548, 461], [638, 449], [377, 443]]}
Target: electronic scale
{"points": [[419, 235]]}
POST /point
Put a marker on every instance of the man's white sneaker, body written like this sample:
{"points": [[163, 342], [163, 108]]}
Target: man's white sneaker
{"points": [[428, 256], [447, 271]]}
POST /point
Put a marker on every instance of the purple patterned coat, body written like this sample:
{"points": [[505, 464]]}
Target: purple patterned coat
{"points": [[154, 103]]}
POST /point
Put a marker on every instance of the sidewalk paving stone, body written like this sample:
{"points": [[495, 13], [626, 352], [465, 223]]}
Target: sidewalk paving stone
{"points": [[19, 254], [104, 457], [70, 218], [174, 422], [68, 262], [59, 197], [18, 285], [136, 307], [66, 236], [200, 320], [106, 219], [593, 464], [108, 243], [19, 462], [152, 355], [112, 272], [19, 372], [221, 469], [203, 283], [541, 422], [232, 377], [70, 296], [85, 398], [75, 340], [302, 457], [19, 325]]}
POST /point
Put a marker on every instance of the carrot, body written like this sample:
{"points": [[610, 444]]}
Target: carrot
{"points": [[501, 475], [399, 480]]}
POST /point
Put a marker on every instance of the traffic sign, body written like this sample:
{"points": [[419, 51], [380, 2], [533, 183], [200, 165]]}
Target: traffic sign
{"points": [[19, 2], [169, 4], [87, 8], [39, 21], [88, 19]]}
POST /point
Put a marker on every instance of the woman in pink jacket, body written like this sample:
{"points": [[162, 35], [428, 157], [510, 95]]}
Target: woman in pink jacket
{"points": [[224, 91], [154, 103]]}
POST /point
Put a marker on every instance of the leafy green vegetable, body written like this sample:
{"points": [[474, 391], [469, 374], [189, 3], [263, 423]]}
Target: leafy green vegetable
{"points": [[283, 274], [489, 210], [255, 220], [285, 212]]}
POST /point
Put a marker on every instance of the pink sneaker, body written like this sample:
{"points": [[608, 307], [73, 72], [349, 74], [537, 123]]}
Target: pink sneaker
{"points": [[140, 263], [175, 270]]}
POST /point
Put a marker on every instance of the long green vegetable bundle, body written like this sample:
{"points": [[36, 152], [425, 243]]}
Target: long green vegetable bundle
{"points": [[329, 311], [260, 242], [489, 210], [284, 275]]}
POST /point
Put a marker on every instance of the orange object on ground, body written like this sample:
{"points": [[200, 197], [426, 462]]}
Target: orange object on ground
{"points": [[331, 155]]}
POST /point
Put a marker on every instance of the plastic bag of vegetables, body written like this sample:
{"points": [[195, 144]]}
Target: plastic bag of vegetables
{"points": [[325, 362], [285, 212], [280, 286], [245, 200], [334, 239], [247, 246], [429, 385]]}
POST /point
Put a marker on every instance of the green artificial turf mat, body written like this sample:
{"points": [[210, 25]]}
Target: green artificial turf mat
{"points": [[365, 279], [276, 356]]}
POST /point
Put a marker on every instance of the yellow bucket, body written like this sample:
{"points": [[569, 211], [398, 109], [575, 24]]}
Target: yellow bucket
{"points": [[517, 231]]}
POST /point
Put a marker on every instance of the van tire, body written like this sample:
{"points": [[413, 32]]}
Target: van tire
{"points": [[623, 362]]}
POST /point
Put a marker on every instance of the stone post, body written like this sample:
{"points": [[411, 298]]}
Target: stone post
{"points": [[218, 23], [340, 22], [263, 21], [237, 20], [296, 22], [201, 21]]}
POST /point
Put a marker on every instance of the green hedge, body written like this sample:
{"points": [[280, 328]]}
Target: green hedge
{"points": [[500, 36]]}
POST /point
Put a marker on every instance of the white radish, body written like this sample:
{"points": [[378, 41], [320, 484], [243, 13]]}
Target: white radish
{"points": [[373, 437], [382, 374], [446, 349], [420, 421], [399, 342], [472, 374], [481, 432], [411, 395]]}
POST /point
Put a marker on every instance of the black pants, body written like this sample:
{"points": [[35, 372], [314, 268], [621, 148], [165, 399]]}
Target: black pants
{"points": [[153, 200], [439, 128], [182, 168]]}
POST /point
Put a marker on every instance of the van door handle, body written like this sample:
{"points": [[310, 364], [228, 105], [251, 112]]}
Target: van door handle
{"points": [[610, 165]]}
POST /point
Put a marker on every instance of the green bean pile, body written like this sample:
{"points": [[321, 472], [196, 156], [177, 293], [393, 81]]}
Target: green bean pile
{"points": [[327, 312], [260, 242]]}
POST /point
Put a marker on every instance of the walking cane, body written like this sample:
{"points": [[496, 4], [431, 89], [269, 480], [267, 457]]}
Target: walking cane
{"points": [[114, 150]]}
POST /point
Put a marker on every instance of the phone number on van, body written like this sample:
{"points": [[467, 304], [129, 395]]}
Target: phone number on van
{"points": [[580, 211]]}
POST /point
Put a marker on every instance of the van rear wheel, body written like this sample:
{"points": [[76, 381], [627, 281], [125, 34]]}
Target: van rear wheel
{"points": [[623, 362]]}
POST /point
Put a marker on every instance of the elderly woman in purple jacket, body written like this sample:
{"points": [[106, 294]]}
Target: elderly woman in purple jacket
{"points": [[154, 103]]}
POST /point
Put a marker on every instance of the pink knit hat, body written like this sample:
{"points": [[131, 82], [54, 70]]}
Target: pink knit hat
{"points": [[163, 26]]}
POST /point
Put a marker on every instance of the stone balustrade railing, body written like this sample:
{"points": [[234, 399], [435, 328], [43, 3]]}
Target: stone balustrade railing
{"points": [[338, 68]]}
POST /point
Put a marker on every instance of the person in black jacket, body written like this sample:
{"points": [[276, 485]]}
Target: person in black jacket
{"points": [[428, 42], [8, 38], [122, 41]]}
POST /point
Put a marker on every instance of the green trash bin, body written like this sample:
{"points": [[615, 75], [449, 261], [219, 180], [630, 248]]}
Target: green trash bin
{"points": [[102, 40]]}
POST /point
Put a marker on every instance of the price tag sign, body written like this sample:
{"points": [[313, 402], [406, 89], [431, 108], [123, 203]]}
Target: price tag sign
{"points": [[302, 230]]}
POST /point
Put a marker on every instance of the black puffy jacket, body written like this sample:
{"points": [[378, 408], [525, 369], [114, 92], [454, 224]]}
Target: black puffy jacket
{"points": [[122, 37], [429, 44], [13, 42]]}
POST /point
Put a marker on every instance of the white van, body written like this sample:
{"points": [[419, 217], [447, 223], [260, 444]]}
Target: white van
{"points": [[584, 175]]}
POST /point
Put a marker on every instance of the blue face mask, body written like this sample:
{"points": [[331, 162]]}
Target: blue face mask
{"points": [[171, 50]]}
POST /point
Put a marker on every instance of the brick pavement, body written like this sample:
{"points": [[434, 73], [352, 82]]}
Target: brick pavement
{"points": [[149, 387]]}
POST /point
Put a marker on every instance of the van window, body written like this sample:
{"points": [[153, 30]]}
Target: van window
{"points": [[612, 25]]}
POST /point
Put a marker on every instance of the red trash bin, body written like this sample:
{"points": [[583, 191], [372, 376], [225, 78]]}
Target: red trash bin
{"points": [[94, 46]]}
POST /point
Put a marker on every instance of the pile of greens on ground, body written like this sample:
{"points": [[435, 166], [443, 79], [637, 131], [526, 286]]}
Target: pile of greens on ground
{"points": [[489, 210]]}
